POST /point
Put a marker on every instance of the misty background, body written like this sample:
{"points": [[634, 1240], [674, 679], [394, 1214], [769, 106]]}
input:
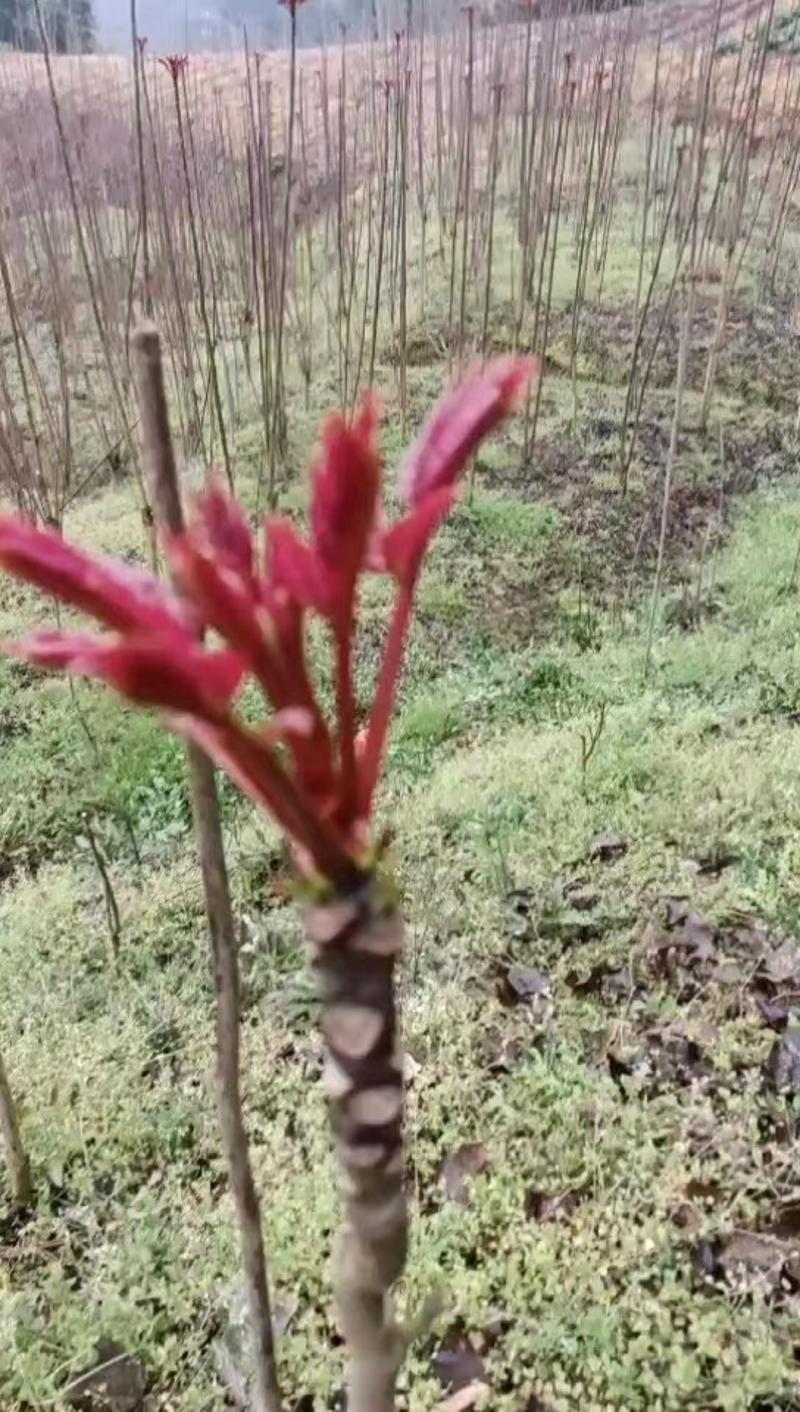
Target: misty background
{"points": [[187, 25]]}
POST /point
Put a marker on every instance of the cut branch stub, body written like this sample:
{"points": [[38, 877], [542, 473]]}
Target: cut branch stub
{"points": [[356, 942]]}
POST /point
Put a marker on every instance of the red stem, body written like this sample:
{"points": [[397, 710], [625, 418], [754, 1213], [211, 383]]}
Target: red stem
{"points": [[258, 771], [387, 688], [345, 705], [313, 756]]}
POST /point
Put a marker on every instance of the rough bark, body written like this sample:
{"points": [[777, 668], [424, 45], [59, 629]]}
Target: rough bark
{"points": [[356, 941], [19, 1168], [160, 466]]}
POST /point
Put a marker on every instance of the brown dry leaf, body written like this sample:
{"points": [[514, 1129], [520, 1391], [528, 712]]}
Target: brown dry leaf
{"points": [[697, 1190], [604, 980], [470, 1396], [552, 1206], [607, 847], [666, 1061], [715, 860], [774, 1012], [521, 985], [686, 1218], [782, 1070], [700, 935], [787, 1222], [580, 895], [680, 941], [783, 964], [747, 1260], [460, 1167], [675, 910], [745, 1255], [499, 1052], [457, 1363], [116, 1382]]}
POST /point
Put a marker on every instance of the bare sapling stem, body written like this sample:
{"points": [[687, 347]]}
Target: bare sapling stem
{"points": [[202, 303], [364, 321], [689, 295], [626, 446], [341, 227], [584, 247], [493, 166], [277, 437], [669, 469], [19, 1167], [439, 112], [422, 198], [524, 187], [181, 343], [147, 293], [381, 233], [403, 100], [159, 461], [454, 242], [470, 80], [648, 176], [550, 248]]}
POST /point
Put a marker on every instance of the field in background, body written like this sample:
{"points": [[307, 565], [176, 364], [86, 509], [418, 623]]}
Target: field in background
{"points": [[594, 776]]}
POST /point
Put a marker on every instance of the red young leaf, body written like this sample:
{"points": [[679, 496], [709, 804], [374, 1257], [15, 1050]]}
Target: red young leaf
{"points": [[175, 64], [459, 423], [345, 498], [154, 672], [54, 650], [224, 524], [121, 597], [296, 569]]}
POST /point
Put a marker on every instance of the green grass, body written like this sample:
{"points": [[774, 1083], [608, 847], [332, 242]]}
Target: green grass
{"points": [[133, 1234]]}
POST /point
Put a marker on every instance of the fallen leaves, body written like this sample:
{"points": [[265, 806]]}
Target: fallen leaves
{"points": [[563, 915], [580, 895], [746, 1262], [115, 1382], [457, 1363], [470, 1396], [684, 947], [782, 1069], [553, 1206], [459, 1169], [681, 940], [605, 981], [699, 1196], [521, 985], [666, 1059], [499, 1052], [713, 861], [608, 847]]}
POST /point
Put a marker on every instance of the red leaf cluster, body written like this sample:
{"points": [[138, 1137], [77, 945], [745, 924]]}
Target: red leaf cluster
{"points": [[317, 777], [175, 64]]}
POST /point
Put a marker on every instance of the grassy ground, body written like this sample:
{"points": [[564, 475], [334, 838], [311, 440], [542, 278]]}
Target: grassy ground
{"points": [[604, 1090]]}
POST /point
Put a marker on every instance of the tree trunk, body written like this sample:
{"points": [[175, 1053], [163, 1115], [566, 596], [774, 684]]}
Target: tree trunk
{"points": [[356, 942]]}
